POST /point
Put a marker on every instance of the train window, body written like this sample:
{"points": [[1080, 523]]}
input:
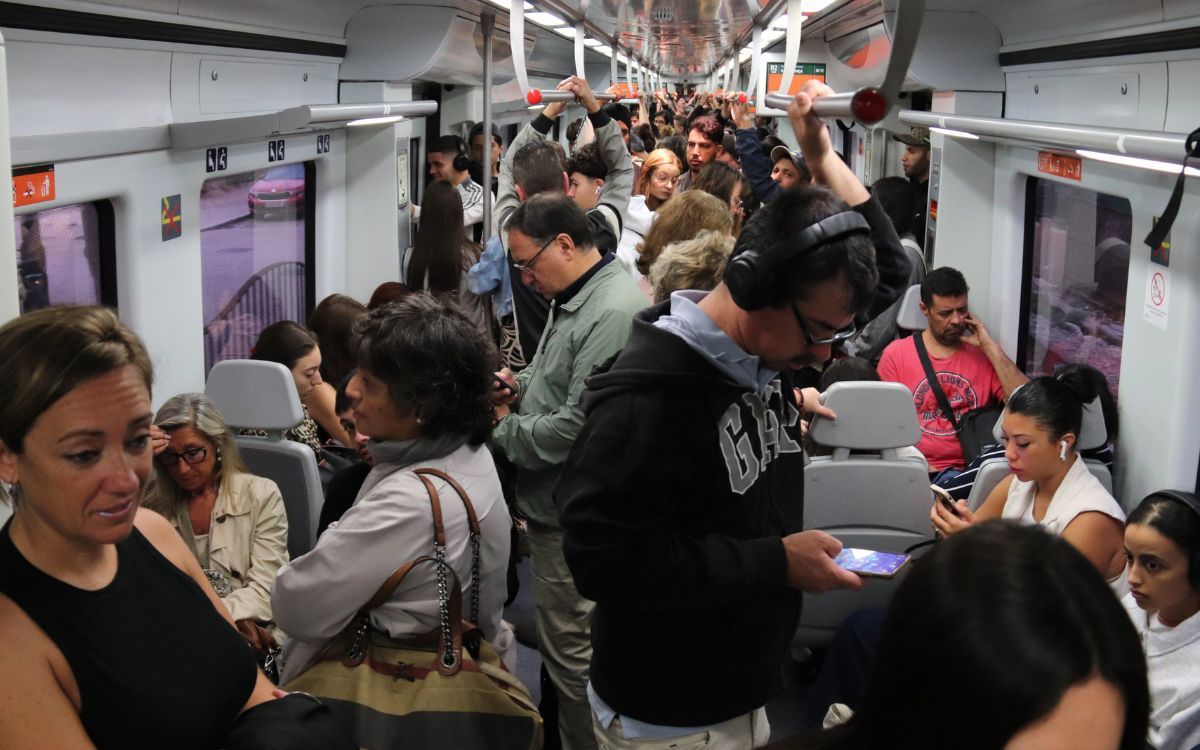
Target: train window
{"points": [[1075, 279], [256, 256], [65, 256]]}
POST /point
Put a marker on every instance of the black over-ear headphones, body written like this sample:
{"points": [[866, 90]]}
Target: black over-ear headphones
{"points": [[1189, 500], [749, 274], [462, 161]]}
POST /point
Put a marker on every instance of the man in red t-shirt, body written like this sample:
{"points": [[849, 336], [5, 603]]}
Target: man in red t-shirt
{"points": [[971, 367]]}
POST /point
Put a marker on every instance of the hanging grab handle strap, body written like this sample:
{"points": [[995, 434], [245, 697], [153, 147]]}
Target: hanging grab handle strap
{"points": [[1159, 232]]}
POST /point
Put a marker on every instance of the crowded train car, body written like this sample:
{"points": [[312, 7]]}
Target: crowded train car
{"points": [[592, 374]]}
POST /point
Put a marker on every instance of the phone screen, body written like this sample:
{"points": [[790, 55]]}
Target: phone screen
{"points": [[871, 563]]}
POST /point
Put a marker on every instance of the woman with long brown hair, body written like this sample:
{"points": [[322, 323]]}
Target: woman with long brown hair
{"points": [[442, 254]]}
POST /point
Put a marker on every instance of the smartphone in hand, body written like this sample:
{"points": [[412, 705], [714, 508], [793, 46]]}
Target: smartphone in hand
{"points": [[943, 497], [870, 563]]}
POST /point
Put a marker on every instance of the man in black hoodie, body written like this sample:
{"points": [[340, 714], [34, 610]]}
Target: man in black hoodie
{"points": [[682, 499]]}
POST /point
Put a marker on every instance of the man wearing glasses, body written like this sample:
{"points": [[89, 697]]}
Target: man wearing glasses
{"points": [[683, 500], [539, 413]]}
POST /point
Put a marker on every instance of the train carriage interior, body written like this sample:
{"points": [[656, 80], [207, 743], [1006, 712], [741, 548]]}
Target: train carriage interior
{"points": [[210, 167]]}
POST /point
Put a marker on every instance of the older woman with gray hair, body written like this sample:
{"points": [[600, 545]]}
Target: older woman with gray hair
{"points": [[421, 392], [698, 263], [233, 521]]}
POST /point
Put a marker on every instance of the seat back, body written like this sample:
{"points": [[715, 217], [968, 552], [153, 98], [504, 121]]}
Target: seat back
{"points": [[262, 395], [910, 317], [1093, 434], [871, 499]]}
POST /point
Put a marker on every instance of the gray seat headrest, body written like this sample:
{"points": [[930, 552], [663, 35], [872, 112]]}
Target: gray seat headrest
{"points": [[910, 317], [253, 393], [871, 416], [1093, 433]]}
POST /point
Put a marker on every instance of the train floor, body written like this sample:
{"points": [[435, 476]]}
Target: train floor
{"points": [[784, 712]]}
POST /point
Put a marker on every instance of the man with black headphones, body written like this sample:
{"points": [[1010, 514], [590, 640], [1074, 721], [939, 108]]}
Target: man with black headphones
{"points": [[448, 160], [683, 497]]}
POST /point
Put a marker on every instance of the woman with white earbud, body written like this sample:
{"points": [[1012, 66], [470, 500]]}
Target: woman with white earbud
{"points": [[1050, 484]]}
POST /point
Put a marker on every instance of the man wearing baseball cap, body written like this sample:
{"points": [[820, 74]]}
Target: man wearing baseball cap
{"points": [[767, 176], [915, 161]]}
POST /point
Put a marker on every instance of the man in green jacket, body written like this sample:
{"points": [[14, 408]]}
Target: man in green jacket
{"points": [[592, 303]]}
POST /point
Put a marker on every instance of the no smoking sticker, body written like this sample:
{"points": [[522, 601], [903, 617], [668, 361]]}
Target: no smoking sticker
{"points": [[1158, 297]]}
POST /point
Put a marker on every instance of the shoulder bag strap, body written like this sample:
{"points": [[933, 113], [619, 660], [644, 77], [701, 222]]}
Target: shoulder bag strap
{"points": [[931, 377], [472, 524], [449, 601]]}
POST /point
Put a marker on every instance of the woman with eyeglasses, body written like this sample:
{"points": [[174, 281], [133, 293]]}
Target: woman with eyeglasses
{"points": [[231, 520], [654, 187], [728, 184]]}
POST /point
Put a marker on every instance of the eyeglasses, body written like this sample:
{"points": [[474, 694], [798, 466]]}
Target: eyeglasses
{"points": [[528, 265], [191, 456], [844, 334], [662, 178]]}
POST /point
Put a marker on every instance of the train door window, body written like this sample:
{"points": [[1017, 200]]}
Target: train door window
{"points": [[65, 256], [1075, 279], [256, 249]]}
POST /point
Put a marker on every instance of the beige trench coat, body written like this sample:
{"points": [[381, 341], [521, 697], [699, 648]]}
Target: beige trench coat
{"points": [[247, 542]]}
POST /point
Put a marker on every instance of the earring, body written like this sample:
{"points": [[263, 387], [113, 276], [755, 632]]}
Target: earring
{"points": [[218, 456], [14, 491], [1062, 454]]}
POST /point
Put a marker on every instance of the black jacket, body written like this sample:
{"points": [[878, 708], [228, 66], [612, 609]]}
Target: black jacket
{"points": [[675, 500]]}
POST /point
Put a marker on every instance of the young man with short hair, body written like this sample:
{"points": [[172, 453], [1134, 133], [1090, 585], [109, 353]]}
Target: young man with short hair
{"points": [[445, 157], [704, 145]]}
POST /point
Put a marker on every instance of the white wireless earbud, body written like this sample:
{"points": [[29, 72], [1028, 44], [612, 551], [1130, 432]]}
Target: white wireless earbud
{"points": [[1062, 454]]}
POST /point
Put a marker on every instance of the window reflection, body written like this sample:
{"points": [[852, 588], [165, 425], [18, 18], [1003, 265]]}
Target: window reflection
{"points": [[58, 257], [252, 246], [1079, 274]]}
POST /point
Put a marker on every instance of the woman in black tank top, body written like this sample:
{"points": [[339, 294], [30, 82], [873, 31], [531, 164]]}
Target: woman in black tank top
{"points": [[112, 638]]}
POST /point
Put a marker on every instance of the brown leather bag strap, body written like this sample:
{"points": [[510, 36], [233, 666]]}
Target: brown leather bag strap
{"points": [[472, 519], [435, 503], [476, 535], [453, 614]]}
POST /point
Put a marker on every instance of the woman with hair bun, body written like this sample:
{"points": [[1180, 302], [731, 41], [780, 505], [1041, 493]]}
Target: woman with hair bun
{"points": [[1162, 545], [1049, 485]]}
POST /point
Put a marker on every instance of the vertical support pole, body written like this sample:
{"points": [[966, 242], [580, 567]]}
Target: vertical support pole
{"points": [[487, 20], [10, 305]]}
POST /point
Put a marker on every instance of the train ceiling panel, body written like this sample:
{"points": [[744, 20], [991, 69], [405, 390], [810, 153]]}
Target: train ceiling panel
{"points": [[679, 37]]}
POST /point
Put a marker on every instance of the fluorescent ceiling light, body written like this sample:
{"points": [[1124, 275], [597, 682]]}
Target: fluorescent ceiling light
{"points": [[780, 22], [542, 18], [812, 6], [745, 55], [772, 35], [375, 120], [591, 43], [603, 49], [956, 133], [567, 31], [1132, 161], [508, 5], [536, 107]]}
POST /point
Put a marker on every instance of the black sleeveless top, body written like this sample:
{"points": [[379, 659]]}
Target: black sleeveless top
{"points": [[157, 666]]}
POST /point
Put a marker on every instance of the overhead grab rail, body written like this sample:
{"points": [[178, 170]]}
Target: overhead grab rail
{"points": [[1143, 144], [868, 105]]}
